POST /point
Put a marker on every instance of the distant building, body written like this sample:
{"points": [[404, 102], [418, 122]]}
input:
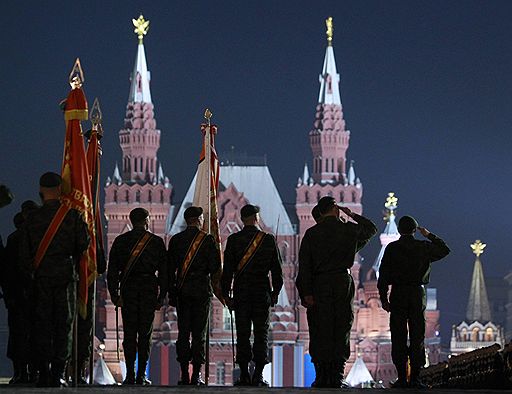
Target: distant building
{"points": [[478, 329]]}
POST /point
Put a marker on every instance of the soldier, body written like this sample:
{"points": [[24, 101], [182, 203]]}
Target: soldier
{"points": [[134, 260], [195, 257], [53, 239], [16, 289], [249, 256], [327, 253], [406, 266]]}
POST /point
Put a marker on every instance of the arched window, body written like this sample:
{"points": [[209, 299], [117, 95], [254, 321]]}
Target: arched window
{"points": [[489, 334], [464, 335], [342, 196], [353, 196], [474, 335], [141, 161], [318, 196], [326, 165], [150, 196], [127, 196], [306, 196], [137, 196], [115, 195], [161, 196], [332, 165], [220, 373], [135, 164]]}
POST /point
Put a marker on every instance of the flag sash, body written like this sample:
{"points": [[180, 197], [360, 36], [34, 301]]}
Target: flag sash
{"points": [[134, 257], [190, 256], [50, 234], [249, 253]]}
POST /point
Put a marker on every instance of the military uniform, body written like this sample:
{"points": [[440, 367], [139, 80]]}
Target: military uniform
{"points": [[252, 294], [141, 293], [16, 293], [327, 253], [54, 283], [193, 297], [406, 266]]}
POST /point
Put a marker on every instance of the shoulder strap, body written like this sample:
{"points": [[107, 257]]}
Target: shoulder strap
{"points": [[190, 256], [50, 234], [249, 253], [134, 256]]}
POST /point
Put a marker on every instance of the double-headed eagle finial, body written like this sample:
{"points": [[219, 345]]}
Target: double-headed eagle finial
{"points": [[478, 247], [330, 30], [141, 27]]}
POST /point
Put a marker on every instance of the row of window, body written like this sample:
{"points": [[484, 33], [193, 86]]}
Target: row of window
{"points": [[317, 165], [160, 198], [138, 164], [477, 336], [329, 138], [330, 194], [125, 139]]}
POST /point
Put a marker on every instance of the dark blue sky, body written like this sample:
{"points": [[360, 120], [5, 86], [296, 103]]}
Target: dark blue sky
{"points": [[426, 89]]}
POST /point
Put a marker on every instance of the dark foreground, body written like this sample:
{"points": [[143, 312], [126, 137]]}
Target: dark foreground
{"points": [[218, 390]]}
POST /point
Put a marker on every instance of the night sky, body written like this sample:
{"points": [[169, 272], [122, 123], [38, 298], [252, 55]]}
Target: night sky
{"points": [[426, 90]]}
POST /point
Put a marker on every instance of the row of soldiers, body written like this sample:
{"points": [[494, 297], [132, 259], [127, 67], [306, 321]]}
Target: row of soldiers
{"points": [[143, 274]]}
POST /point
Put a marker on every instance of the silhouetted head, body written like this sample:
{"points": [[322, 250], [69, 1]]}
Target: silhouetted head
{"points": [[27, 207], [139, 217], [315, 212], [194, 216], [250, 214], [50, 186], [18, 220], [328, 207], [407, 225]]}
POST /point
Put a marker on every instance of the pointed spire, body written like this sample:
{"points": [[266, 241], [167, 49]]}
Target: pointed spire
{"points": [[390, 233], [329, 79], [478, 304], [305, 175], [116, 177], [161, 176], [140, 78], [351, 173]]}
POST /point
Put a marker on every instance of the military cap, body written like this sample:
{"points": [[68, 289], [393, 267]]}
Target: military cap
{"points": [[50, 179], [18, 220], [407, 225], [315, 212], [28, 206], [249, 210], [326, 203], [138, 215], [192, 212]]}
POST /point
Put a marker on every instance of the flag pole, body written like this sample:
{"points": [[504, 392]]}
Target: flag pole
{"points": [[208, 153]]}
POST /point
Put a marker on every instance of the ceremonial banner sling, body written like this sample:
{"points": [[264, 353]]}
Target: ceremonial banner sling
{"points": [[134, 256], [190, 256], [249, 253]]}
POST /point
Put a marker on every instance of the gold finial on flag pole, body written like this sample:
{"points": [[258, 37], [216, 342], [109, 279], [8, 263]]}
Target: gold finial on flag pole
{"points": [[330, 30], [141, 27], [208, 116], [95, 115], [76, 76]]}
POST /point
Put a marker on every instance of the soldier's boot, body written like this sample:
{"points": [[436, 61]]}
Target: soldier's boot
{"points": [[416, 382], [401, 382], [185, 377], [33, 373], [245, 378], [257, 377], [17, 377], [57, 378], [319, 375], [82, 368], [24, 378], [43, 380], [196, 380], [130, 373], [141, 374], [337, 369]]}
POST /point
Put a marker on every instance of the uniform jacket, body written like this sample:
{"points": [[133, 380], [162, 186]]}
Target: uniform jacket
{"points": [[407, 261], [254, 277], [206, 263], [66, 248], [151, 261], [329, 247]]}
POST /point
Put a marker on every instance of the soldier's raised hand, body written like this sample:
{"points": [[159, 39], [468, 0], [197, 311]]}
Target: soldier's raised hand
{"points": [[423, 231], [347, 211]]}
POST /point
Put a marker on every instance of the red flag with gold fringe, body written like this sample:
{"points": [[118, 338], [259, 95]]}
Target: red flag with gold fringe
{"points": [[76, 184]]}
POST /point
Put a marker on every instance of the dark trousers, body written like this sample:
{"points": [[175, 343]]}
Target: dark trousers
{"points": [[313, 337], [84, 331], [55, 305], [252, 308], [19, 322], [193, 314], [138, 313], [332, 317], [407, 311]]}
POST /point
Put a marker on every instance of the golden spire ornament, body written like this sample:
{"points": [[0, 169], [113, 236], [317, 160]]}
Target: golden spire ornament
{"points": [[478, 247], [95, 116], [208, 115], [330, 30], [141, 27], [76, 76], [391, 204]]}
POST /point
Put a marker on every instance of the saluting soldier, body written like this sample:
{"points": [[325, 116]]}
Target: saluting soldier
{"points": [[249, 257], [405, 267], [54, 238], [327, 253], [134, 261], [193, 258]]}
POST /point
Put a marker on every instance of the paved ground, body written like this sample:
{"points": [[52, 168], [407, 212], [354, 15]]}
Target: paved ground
{"points": [[218, 390]]}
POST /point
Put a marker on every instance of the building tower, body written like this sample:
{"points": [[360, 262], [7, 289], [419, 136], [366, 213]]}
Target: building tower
{"points": [[141, 181], [329, 141], [477, 330]]}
